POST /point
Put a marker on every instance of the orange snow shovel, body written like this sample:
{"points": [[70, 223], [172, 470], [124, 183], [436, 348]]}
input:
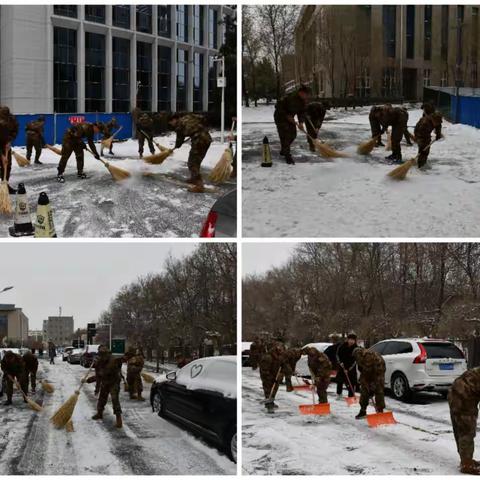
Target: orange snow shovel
{"points": [[378, 419], [314, 408], [302, 387], [350, 400]]}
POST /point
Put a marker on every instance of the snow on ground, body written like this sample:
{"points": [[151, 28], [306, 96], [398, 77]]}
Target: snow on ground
{"points": [[142, 206], [287, 443], [353, 197], [147, 445]]}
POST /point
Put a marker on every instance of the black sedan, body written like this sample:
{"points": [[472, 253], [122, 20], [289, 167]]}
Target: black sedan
{"points": [[201, 396]]}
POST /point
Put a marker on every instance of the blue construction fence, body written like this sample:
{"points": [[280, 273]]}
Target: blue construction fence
{"points": [[462, 108], [57, 123]]}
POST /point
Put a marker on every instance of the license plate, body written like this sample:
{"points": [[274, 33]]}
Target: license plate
{"points": [[446, 366]]}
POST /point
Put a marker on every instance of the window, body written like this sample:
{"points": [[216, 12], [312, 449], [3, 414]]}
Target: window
{"points": [[474, 75], [65, 10], [427, 33], [426, 77], [64, 70], [389, 29], [144, 75], [144, 18], [95, 13], [182, 76], [363, 84], [411, 31], [396, 348], [212, 82], [182, 23], [379, 347], [197, 82], [475, 26], [164, 78], [461, 12], [121, 16], [121, 74], [198, 24], [212, 28], [444, 34], [444, 79], [389, 84], [94, 72], [164, 21], [442, 350]]}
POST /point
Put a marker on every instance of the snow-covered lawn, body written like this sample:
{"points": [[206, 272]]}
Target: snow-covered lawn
{"points": [[142, 206], [353, 197], [286, 442], [147, 445]]}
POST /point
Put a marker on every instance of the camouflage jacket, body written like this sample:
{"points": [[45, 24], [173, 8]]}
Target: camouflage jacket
{"points": [[291, 105], [13, 364], [427, 124], [318, 363], [371, 366], [290, 358], [78, 132], [316, 113], [145, 121], [189, 125], [36, 126], [31, 362], [467, 385], [8, 127], [108, 370], [382, 117], [135, 364], [257, 348]]}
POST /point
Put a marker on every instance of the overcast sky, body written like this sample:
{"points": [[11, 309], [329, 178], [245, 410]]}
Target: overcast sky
{"points": [[79, 277], [261, 257]]}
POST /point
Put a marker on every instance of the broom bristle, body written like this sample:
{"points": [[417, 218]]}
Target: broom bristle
{"points": [[158, 158], [388, 146], [65, 411], [161, 147], [147, 377], [5, 203], [107, 142], [223, 169], [118, 173], [366, 147], [401, 171], [48, 387], [33, 405], [328, 152], [69, 426], [21, 160], [54, 149]]}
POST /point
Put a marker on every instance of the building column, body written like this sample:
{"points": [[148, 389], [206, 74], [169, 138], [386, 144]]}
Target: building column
{"points": [[81, 65], [191, 64], [108, 71], [173, 63], [133, 58], [50, 58]]}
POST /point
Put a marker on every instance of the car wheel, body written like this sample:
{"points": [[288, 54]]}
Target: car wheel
{"points": [[230, 444], [158, 405], [400, 388], [444, 394]]}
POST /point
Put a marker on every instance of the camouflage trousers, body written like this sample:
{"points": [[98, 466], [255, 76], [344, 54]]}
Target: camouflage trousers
{"points": [[423, 151], [9, 166], [32, 376], [112, 389], [67, 149], [200, 145], [368, 390], [22, 380], [34, 142], [268, 374], [287, 131], [322, 382], [397, 134], [312, 129], [254, 361], [141, 142], [135, 385], [464, 415]]}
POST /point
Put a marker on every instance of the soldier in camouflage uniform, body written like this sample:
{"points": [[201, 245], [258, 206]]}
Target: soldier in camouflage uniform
{"points": [[285, 110], [8, 133], [320, 368], [144, 126], [109, 372], [34, 137], [73, 142], [135, 364], [463, 400], [372, 379], [107, 130], [381, 117], [315, 114], [429, 122], [31, 368], [193, 126], [13, 367], [257, 349]]}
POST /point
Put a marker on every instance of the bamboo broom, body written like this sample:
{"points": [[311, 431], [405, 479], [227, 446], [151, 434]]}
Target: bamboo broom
{"points": [[56, 150], [107, 142], [366, 147], [223, 169], [322, 148], [159, 158], [33, 405], [69, 426], [48, 387], [21, 160], [117, 173], [401, 171], [388, 146], [5, 203], [64, 413], [147, 377]]}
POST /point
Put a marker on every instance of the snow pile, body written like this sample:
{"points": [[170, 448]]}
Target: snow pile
{"points": [[353, 197]]}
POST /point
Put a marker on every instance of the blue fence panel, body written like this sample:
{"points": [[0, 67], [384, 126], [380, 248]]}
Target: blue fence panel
{"points": [[56, 124], [470, 111]]}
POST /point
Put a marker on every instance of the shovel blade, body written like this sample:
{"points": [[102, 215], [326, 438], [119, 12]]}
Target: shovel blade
{"points": [[378, 419], [302, 387], [351, 400], [315, 409]]}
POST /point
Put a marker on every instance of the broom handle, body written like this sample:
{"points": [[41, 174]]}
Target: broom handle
{"points": [[115, 133], [314, 382], [84, 379], [306, 133], [5, 164], [15, 381], [89, 151]]}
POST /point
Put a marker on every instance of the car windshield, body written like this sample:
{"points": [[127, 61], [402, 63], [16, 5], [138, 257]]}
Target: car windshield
{"points": [[442, 350]]}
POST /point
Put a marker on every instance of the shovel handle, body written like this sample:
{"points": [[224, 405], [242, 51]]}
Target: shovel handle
{"points": [[269, 399]]}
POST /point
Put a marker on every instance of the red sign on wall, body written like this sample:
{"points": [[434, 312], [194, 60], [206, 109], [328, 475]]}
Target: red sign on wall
{"points": [[76, 119]]}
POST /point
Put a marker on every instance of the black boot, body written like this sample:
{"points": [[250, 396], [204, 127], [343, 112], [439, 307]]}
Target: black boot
{"points": [[289, 160], [394, 158], [60, 179], [361, 414], [8, 402], [11, 190], [380, 144], [82, 175]]}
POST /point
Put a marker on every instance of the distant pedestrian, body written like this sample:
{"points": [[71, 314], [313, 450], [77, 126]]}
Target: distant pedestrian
{"points": [[52, 353]]}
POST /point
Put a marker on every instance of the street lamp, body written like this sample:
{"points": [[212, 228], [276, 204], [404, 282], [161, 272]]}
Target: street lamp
{"points": [[6, 289], [221, 83]]}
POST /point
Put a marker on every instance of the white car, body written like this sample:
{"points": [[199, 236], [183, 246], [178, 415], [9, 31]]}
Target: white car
{"points": [[420, 365], [74, 356], [302, 369], [66, 353]]}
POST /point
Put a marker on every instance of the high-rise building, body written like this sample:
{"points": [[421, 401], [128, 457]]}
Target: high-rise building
{"points": [[58, 330], [107, 58], [13, 324]]}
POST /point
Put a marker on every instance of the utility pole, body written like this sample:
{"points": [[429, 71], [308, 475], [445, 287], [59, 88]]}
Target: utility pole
{"points": [[221, 83]]}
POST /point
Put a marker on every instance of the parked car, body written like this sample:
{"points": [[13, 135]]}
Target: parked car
{"points": [[89, 354], [246, 354], [221, 221], [2, 354], [74, 356], [66, 352], [302, 369], [202, 397], [420, 365]]}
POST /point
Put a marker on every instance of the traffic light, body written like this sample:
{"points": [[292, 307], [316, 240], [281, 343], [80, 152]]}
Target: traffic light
{"points": [[91, 331]]}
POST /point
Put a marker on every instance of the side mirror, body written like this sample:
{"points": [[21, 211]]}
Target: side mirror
{"points": [[171, 375]]}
